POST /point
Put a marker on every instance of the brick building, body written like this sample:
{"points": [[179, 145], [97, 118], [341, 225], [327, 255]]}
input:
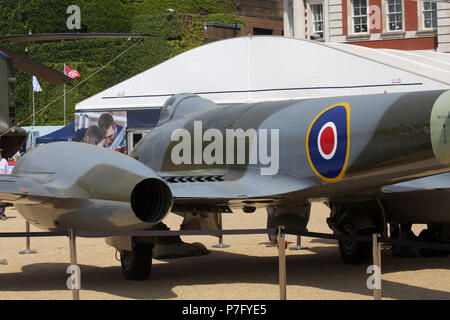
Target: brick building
{"points": [[393, 24], [259, 17]]}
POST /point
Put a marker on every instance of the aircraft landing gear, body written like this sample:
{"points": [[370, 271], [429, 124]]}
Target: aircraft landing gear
{"points": [[137, 264], [432, 234], [294, 216], [404, 232], [354, 252], [356, 218]]}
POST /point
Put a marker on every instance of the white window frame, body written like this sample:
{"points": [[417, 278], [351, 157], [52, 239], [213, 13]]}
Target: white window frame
{"points": [[351, 18], [421, 11], [386, 17], [313, 22], [309, 19]]}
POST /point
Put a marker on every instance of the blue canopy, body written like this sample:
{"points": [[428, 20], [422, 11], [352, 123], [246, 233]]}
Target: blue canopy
{"points": [[64, 134]]}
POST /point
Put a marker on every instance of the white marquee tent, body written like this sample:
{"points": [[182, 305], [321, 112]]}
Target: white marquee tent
{"points": [[253, 69]]}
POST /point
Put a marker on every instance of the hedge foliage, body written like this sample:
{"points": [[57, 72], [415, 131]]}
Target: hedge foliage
{"points": [[176, 31]]}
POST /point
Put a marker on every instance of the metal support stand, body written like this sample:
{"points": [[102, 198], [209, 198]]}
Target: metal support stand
{"points": [[299, 245], [73, 262], [28, 250], [220, 244], [376, 251], [281, 263]]}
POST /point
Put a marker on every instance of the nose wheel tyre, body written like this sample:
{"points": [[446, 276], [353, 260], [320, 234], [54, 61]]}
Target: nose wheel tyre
{"points": [[137, 264], [353, 252]]}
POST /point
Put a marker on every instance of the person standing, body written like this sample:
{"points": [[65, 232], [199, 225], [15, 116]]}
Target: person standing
{"points": [[4, 169]]}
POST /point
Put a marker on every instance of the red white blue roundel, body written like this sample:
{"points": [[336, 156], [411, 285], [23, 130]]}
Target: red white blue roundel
{"points": [[327, 142]]}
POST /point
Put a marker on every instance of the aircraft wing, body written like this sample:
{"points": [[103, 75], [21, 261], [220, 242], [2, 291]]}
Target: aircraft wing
{"points": [[71, 36], [35, 189], [33, 67], [215, 189], [436, 182]]}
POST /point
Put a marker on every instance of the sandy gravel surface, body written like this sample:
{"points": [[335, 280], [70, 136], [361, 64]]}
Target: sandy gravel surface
{"points": [[246, 270]]}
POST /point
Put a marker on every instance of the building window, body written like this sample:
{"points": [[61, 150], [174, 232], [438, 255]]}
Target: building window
{"points": [[359, 16], [317, 19], [262, 32], [429, 15], [395, 15]]}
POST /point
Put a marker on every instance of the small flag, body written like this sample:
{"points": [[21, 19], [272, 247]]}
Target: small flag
{"points": [[71, 73], [36, 85]]}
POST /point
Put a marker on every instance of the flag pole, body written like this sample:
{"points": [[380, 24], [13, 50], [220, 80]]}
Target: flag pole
{"points": [[64, 96], [32, 89]]}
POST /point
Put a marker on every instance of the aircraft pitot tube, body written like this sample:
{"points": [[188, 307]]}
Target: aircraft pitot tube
{"points": [[81, 186]]}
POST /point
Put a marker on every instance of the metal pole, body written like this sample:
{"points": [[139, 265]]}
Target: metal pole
{"points": [[281, 263], [220, 244], [27, 247], [299, 245], [73, 262], [34, 122], [64, 104], [64, 96], [376, 252]]}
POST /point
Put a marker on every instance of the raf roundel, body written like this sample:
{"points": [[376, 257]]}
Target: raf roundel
{"points": [[328, 142]]}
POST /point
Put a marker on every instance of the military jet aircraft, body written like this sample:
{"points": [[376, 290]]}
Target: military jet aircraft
{"points": [[360, 154]]}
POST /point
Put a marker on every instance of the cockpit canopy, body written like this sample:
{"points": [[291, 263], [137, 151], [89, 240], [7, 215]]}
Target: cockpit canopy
{"points": [[184, 104]]}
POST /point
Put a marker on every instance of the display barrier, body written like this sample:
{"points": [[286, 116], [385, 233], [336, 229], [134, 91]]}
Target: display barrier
{"points": [[28, 249], [376, 240], [282, 263], [368, 238], [220, 245], [298, 246]]}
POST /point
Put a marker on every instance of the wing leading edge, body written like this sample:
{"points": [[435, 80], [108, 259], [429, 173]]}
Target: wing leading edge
{"points": [[250, 189]]}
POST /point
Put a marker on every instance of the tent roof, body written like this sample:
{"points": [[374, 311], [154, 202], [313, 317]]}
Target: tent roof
{"points": [[264, 68], [63, 134]]}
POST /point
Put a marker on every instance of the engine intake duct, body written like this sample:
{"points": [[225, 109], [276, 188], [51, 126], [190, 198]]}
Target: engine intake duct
{"points": [[151, 200]]}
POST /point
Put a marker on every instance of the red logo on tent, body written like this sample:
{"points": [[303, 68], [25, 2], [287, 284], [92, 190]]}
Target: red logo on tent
{"points": [[71, 73]]}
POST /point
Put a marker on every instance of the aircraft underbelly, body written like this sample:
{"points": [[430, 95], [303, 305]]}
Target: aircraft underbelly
{"points": [[430, 206]]}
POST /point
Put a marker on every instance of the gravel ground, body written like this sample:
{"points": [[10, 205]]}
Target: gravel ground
{"points": [[246, 270]]}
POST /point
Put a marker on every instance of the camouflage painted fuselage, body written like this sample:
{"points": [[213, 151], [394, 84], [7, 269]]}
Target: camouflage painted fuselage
{"points": [[386, 139]]}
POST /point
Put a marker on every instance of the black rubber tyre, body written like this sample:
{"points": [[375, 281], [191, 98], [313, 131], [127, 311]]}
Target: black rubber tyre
{"points": [[137, 264], [428, 235], [353, 252]]}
